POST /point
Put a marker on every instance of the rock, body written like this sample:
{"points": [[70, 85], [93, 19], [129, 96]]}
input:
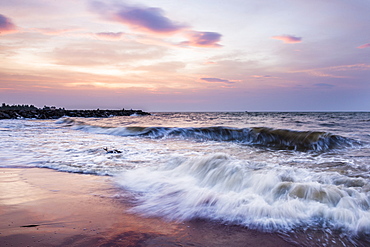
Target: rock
{"points": [[114, 151], [4, 115], [58, 113]]}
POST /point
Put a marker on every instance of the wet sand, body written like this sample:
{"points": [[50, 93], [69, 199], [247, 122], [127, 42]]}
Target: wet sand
{"points": [[42, 207]]}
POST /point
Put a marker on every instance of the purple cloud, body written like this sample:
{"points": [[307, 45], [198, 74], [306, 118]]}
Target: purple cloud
{"points": [[203, 39], [153, 20], [364, 46], [218, 80], [146, 19], [109, 35], [288, 39], [324, 85], [150, 19], [6, 25]]}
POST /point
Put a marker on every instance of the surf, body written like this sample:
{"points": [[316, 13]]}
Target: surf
{"points": [[219, 188], [280, 139]]}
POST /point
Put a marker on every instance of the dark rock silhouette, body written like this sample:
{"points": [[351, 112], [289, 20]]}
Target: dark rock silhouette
{"points": [[25, 111], [114, 151]]}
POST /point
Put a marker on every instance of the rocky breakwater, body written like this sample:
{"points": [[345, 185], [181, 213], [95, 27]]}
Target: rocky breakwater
{"points": [[58, 113]]}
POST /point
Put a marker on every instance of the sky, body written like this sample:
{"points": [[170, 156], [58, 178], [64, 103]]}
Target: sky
{"points": [[193, 55]]}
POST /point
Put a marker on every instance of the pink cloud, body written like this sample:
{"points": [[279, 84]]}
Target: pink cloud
{"points": [[53, 31], [217, 80], [109, 35], [203, 39], [210, 62], [288, 39], [6, 25], [262, 76], [364, 46]]}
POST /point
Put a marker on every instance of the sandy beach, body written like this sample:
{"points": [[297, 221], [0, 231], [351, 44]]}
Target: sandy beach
{"points": [[43, 207]]}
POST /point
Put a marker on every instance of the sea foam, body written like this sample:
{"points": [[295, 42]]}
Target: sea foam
{"points": [[217, 187]]}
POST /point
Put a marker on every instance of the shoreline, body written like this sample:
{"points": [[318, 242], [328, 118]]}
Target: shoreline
{"points": [[44, 207]]}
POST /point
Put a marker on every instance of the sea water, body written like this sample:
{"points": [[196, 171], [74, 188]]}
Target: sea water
{"points": [[274, 172]]}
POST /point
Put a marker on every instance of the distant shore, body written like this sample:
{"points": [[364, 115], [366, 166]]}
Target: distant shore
{"points": [[25, 111]]}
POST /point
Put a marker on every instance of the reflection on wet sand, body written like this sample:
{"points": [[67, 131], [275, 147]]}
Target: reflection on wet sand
{"points": [[43, 207]]}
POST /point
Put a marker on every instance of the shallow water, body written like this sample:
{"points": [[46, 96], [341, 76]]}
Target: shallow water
{"points": [[275, 172]]}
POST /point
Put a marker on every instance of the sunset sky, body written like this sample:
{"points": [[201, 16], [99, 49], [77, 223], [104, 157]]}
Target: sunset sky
{"points": [[193, 55]]}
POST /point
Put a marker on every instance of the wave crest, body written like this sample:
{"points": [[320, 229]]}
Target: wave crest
{"points": [[259, 136], [299, 140]]}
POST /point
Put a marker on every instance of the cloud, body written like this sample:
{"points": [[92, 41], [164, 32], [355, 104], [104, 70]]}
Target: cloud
{"points": [[217, 80], [341, 71], [324, 85], [150, 20], [203, 39], [145, 19], [6, 25], [364, 46], [323, 74], [166, 67], [288, 39], [359, 66], [53, 31], [100, 54], [109, 35], [262, 76]]}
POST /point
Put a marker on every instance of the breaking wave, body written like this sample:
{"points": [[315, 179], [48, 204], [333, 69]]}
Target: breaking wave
{"points": [[217, 187], [258, 136]]}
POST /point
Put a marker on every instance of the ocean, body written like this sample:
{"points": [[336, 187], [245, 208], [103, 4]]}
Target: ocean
{"points": [[302, 175]]}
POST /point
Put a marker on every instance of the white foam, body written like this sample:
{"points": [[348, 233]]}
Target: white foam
{"points": [[218, 187]]}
